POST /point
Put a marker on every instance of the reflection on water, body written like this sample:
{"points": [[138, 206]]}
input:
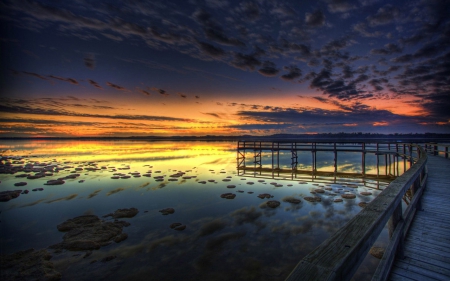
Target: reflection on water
{"points": [[241, 238]]}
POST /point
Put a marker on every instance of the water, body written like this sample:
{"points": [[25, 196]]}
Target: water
{"points": [[224, 239]]}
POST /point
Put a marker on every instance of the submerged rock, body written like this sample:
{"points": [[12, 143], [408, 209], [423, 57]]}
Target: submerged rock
{"points": [[89, 232], [292, 200], [28, 265], [123, 213], [175, 224], [228, 195], [22, 183], [348, 196], [264, 195], [180, 228], [167, 211], [313, 199], [366, 193], [272, 204], [362, 204], [54, 182], [8, 195]]}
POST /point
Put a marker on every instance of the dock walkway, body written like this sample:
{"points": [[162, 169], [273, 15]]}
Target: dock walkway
{"points": [[427, 244]]}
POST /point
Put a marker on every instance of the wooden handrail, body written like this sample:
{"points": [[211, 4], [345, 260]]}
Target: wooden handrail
{"points": [[434, 148], [339, 256]]}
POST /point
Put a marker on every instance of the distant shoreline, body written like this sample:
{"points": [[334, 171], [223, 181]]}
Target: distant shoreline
{"points": [[428, 137]]}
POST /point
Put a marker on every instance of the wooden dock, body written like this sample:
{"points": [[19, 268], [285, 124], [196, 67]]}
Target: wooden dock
{"points": [[427, 244]]}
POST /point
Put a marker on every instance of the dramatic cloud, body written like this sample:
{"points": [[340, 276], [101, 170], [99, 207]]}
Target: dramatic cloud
{"points": [[316, 19], [388, 49], [294, 72], [340, 6], [384, 15], [89, 61], [211, 50], [268, 69], [95, 84], [70, 80], [245, 62], [117, 87]]}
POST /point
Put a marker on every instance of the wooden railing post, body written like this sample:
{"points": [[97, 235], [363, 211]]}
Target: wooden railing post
{"points": [[446, 152]]}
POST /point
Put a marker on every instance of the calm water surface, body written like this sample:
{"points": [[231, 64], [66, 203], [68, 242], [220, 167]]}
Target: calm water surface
{"points": [[224, 239]]}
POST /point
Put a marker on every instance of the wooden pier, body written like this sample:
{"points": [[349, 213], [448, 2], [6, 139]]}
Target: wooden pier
{"points": [[392, 159], [426, 254], [419, 246]]}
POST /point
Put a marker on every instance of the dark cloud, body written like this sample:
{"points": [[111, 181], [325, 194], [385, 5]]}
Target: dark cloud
{"points": [[388, 49], [403, 58], [162, 92], [245, 62], [70, 80], [385, 15], [211, 50], [30, 109], [182, 95], [294, 73], [89, 61], [217, 35], [429, 50], [269, 69], [361, 28], [340, 6], [213, 114], [117, 87], [144, 92], [95, 84], [249, 10], [34, 75], [316, 19]]}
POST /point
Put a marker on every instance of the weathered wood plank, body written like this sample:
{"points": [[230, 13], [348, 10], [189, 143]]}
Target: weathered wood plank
{"points": [[411, 275], [428, 258], [428, 247], [419, 268], [424, 235], [396, 277], [413, 262], [428, 250]]}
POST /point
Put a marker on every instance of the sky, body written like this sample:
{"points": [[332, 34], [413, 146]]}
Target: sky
{"points": [[209, 67]]}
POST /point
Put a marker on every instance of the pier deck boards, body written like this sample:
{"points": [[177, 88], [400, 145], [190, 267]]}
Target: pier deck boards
{"points": [[427, 244]]}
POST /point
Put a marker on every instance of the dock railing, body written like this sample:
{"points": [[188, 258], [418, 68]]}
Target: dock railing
{"points": [[339, 256], [252, 154], [437, 149]]}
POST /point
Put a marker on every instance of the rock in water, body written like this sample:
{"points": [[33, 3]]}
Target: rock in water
{"points": [[313, 199], [272, 204], [228, 195], [28, 265], [123, 213], [167, 211], [8, 195], [292, 200], [89, 233]]}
